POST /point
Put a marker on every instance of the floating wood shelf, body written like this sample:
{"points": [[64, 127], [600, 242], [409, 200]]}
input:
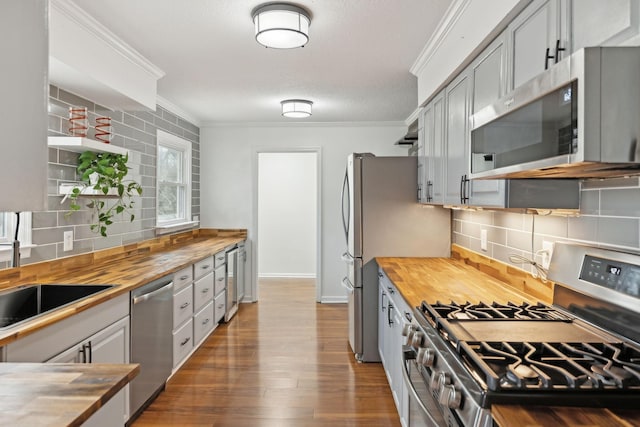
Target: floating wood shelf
{"points": [[66, 188], [78, 145]]}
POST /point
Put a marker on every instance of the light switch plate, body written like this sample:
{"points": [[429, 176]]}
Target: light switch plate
{"points": [[67, 241], [483, 240], [547, 251]]}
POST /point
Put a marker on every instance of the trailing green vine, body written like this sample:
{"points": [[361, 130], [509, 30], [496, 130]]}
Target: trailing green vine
{"points": [[104, 172]]}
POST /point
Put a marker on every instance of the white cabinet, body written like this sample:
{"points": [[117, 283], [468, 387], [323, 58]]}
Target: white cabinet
{"points": [[538, 38], [97, 335], [422, 160], [456, 153], [489, 83], [203, 291], [111, 345], [433, 135], [23, 115], [605, 23], [392, 316]]}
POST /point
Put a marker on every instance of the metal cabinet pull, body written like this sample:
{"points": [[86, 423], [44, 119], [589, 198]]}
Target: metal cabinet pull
{"points": [[391, 290], [419, 192], [221, 306], [389, 319], [83, 352], [205, 267], [185, 277], [379, 275], [547, 57], [205, 321], [461, 190], [90, 351], [429, 190], [220, 258], [205, 290], [220, 279], [558, 50], [186, 340], [185, 305], [383, 308]]}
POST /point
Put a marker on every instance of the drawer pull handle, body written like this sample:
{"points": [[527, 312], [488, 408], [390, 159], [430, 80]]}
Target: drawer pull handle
{"points": [[205, 321], [221, 305], [185, 305], [186, 340], [220, 258], [205, 290], [220, 279], [204, 267], [185, 277]]}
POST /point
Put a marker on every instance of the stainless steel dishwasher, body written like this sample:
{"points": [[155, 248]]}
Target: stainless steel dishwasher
{"points": [[151, 341]]}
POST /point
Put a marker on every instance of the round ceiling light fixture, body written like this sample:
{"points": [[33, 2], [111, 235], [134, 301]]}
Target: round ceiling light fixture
{"points": [[281, 25], [296, 108]]}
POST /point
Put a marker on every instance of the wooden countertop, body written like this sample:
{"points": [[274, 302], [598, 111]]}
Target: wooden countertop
{"points": [[53, 394], [126, 267], [446, 279]]}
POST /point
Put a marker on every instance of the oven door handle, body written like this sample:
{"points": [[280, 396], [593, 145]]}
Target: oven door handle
{"points": [[408, 355]]}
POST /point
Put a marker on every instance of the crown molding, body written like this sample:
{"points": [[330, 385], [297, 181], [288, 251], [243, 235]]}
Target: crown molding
{"points": [[451, 16], [412, 117], [179, 111], [72, 11]]}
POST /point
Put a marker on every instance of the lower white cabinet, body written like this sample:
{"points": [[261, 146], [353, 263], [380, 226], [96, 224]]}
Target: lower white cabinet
{"points": [[393, 314], [220, 306], [203, 323], [182, 342], [96, 335]]}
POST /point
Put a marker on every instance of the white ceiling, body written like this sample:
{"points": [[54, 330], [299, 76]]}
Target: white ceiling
{"points": [[354, 68]]}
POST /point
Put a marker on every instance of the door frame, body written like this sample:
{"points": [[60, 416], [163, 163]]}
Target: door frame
{"points": [[254, 211]]}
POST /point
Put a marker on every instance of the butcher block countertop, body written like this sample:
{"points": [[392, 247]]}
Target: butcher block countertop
{"points": [[53, 394], [127, 267], [459, 279]]}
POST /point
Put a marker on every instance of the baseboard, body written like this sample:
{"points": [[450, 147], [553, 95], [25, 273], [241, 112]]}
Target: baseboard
{"points": [[333, 300], [287, 276]]}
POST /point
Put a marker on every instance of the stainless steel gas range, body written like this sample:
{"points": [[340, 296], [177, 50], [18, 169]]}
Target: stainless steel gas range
{"points": [[583, 350]]}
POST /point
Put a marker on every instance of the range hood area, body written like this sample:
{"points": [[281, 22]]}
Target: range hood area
{"points": [[579, 119]]}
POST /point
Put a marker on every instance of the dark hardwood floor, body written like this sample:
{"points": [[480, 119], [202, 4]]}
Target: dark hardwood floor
{"points": [[282, 362]]}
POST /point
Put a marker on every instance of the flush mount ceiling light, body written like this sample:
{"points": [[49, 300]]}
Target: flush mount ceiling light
{"points": [[296, 108], [281, 25]]}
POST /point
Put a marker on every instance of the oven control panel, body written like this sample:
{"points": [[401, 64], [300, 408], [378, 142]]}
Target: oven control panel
{"points": [[616, 275]]}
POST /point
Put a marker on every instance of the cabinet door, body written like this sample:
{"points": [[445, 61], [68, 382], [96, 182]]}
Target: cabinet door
{"points": [[435, 180], [456, 147], [489, 82], [23, 118], [531, 33], [382, 313], [608, 23], [422, 160]]}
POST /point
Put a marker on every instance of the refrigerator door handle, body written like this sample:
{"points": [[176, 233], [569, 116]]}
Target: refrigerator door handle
{"points": [[347, 284], [345, 221], [347, 258]]}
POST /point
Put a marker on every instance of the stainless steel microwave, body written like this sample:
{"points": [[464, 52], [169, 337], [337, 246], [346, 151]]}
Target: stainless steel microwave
{"points": [[579, 119]]}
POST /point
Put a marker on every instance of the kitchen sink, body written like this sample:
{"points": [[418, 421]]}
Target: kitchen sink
{"points": [[29, 301]]}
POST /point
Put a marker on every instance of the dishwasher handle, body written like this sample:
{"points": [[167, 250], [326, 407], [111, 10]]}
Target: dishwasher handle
{"points": [[144, 297]]}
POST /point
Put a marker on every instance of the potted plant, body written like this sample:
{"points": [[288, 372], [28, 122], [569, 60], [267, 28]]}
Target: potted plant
{"points": [[105, 173]]}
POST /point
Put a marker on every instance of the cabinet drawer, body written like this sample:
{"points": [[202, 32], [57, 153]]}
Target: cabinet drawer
{"points": [[182, 342], [182, 306], [182, 278], [221, 258], [203, 267], [220, 306], [202, 291], [220, 279], [203, 323]]}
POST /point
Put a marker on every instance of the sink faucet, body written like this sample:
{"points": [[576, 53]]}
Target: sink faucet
{"points": [[15, 245]]}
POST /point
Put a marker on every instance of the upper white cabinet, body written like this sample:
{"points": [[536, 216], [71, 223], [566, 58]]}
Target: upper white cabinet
{"points": [[432, 138], [456, 153], [23, 112], [538, 38], [489, 83], [606, 23]]}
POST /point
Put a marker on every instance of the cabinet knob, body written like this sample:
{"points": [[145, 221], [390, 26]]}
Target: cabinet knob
{"points": [[184, 305]]}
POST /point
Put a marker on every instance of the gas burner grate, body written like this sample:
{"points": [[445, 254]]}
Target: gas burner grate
{"points": [[553, 366], [493, 311]]}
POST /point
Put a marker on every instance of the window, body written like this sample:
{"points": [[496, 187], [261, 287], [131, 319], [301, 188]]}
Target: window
{"points": [[173, 181], [7, 234]]}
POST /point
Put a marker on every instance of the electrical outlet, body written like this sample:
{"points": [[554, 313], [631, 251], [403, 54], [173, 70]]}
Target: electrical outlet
{"points": [[196, 218], [68, 241], [483, 239], [547, 251]]}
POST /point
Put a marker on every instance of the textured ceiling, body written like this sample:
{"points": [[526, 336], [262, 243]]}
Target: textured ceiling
{"points": [[354, 68]]}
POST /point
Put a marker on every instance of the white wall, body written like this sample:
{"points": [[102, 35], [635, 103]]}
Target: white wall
{"points": [[287, 214], [227, 167]]}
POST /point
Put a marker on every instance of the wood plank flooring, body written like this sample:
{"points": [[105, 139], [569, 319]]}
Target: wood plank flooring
{"points": [[282, 362]]}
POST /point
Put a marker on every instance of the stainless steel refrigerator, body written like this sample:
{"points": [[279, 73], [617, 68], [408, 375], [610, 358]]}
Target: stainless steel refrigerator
{"points": [[381, 217]]}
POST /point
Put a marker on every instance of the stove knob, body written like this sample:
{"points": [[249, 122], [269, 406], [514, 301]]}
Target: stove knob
{"points": [[449, 396], [407, 329], [425, 356], [417, 339]]}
